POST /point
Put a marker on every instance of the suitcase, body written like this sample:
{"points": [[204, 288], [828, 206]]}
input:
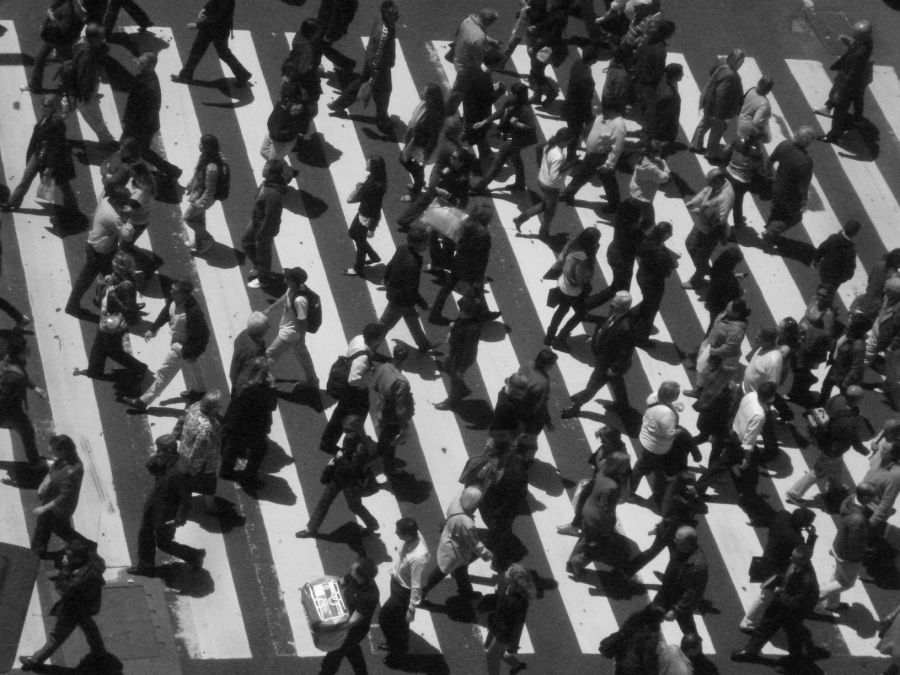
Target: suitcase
{"points": [[323, 604]]}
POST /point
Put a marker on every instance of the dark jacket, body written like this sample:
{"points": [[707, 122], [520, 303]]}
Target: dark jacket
{"points": [[170, 498], [463, 341], [249, 412], [799, 595], [85, 74], [219, 17], [783, 539], [197, 328], [267, 207], [854, 70], [848, 361], [684, 581], [13, 388], [63, 482], [335, 17], [655, 263], [48, 142], [723, 94], [852, 531], [650, 63], [616, 92], [613, 345], [508, 619], [401, 276], [388, 52], [246, 348], [578, 106], [65, 27], [141, 116], [472, 253], [836, 258], [80, 589], [664, 114], [792, 178], [845, 428], [599, 512]]}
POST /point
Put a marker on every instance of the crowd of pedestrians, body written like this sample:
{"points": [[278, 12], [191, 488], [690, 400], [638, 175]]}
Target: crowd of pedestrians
{"points": [[740, 409]]}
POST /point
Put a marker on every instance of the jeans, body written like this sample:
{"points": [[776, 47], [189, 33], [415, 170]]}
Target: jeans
{"points": [[219, 41], [829, 470], [354, 502], [253, 445], [566, 302], [381, 87], [510, 151], [354, 655], [50, 523], [590, 165], [353, 402], [460, 576], [67, 620], [112, 14], [70, 201], [257, 243], [394, 312], [174, 362], [194, 219], [19, 422], [109, 346], [360, 236], [740, 189], [151, 537], [290, 339], [547, 206], [599, 377], [700, 246]]}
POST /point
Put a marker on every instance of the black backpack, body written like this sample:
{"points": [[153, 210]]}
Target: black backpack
{"points": [[223, 181], [337, 385], [313, 310]]}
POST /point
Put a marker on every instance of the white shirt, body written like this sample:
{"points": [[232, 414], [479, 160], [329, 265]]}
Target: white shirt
{"points": [[550, 175], [749, 420], [360, 369], [607, 136], [646, 179], [411, 562], [292, 316], [659, 427], [763, 367]]}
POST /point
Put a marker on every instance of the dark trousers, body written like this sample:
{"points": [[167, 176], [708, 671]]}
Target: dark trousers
{"points": [[443, 293], [392, 619], [510, 151], [382, 86], [648, 463], [441, 249], [18, 421], [613, 549], [109, 345], [599, 377], [94, 263], [354, 655], [652, 295], [387, 438], [32, 169], [151, 538], [11, 310], [460, 576], [566, 302], [340, 60], [36, 83], [353, 402], [637, 563], [415, 209], [622, 271], [778, 616], [219, 41], [112, 14], [257, 244], [254, 446], [700, 246], [144, 140], [49, 523], [417, 172], [354, 501], [360, 236], [590, 165], [394, 312], [841, 121], [67, 621]]}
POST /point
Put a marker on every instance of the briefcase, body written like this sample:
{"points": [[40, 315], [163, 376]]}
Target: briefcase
{"points": [[324, 606]]}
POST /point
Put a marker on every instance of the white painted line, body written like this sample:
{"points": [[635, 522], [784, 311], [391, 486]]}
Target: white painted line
{"points": [[885, 88]]}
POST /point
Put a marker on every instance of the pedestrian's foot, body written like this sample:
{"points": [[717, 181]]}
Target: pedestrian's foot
{"points": [[438, 320], [697, 149], [350, 272], [566, 198], [337, 109], [746, 630], [192, 394], [29, 662], [369, 531], [744, 656], [569, 529], [197, 562], [517, 221], [427, 347], [560, 344], [305, 534], [242, 79], [201, 248], [824, 111], [817, 653], [7, 207], [135, 403], [373, 259], [691, 393], [144, 27], [571, 411], [446, 404], [517, 187], [181, 78], [142, 570], [828, 138], [840, 607]]}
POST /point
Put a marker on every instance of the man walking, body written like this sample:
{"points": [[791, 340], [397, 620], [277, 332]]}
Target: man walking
{"points": [[684, 580], [394, 405], [333, 19], [709, 210], [720, 101], [361, 596], [603, 147], [849, 546], [165, 510], [401, 280], [406, 591], [265, 223], [854, 74], [791, 184], [214, 25], [248, 345], [613, 347], [81, 82]]}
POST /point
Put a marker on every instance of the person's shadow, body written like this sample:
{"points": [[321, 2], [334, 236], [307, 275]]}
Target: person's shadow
{"points": [[92, 664]]}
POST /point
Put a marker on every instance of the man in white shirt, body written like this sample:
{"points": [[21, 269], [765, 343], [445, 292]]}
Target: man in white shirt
{"points": [[766, 363], [294, 305], [604, 146], [354, 399], [551, 181], [406, 591], [657, 432]]}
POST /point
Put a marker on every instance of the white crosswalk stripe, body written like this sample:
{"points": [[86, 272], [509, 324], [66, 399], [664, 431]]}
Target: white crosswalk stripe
{"points": [[214, 626]]}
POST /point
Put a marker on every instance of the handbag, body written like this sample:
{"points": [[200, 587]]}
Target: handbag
{"points": [[48, 191], [760, 569], [444, 220], [554, 296], [112, 322]]}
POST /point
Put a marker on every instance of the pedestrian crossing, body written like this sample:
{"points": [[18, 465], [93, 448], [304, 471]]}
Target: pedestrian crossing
{"points": [[255, 572]]}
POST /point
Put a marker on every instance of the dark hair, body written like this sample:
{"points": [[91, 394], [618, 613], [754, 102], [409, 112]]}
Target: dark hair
{"points": [[433, 96], [481, 214], [588, 240], [141, 174], [562, 137], [766, 391], [852, 228], [519, 92], [416, 236], [765, 85], [740, 308], [117, 195], [892, 258], [768, 335], [372, 332], [63, 445], [726, 261], [185, 286], [209, 150], [296, 275], [400, 353], [309, 27], [546, 357], [802, 517], [377, 170], [80, 549], [366, 567], [407, 526], [130, 150]]}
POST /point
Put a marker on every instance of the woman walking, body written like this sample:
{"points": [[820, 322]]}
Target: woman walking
{"points": [[422, 135], [747, 164], [579, 258], [518, 127], [515, 589], [551, 181], [58, 494], [201, 193], [655, 264], [369, 194]]}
